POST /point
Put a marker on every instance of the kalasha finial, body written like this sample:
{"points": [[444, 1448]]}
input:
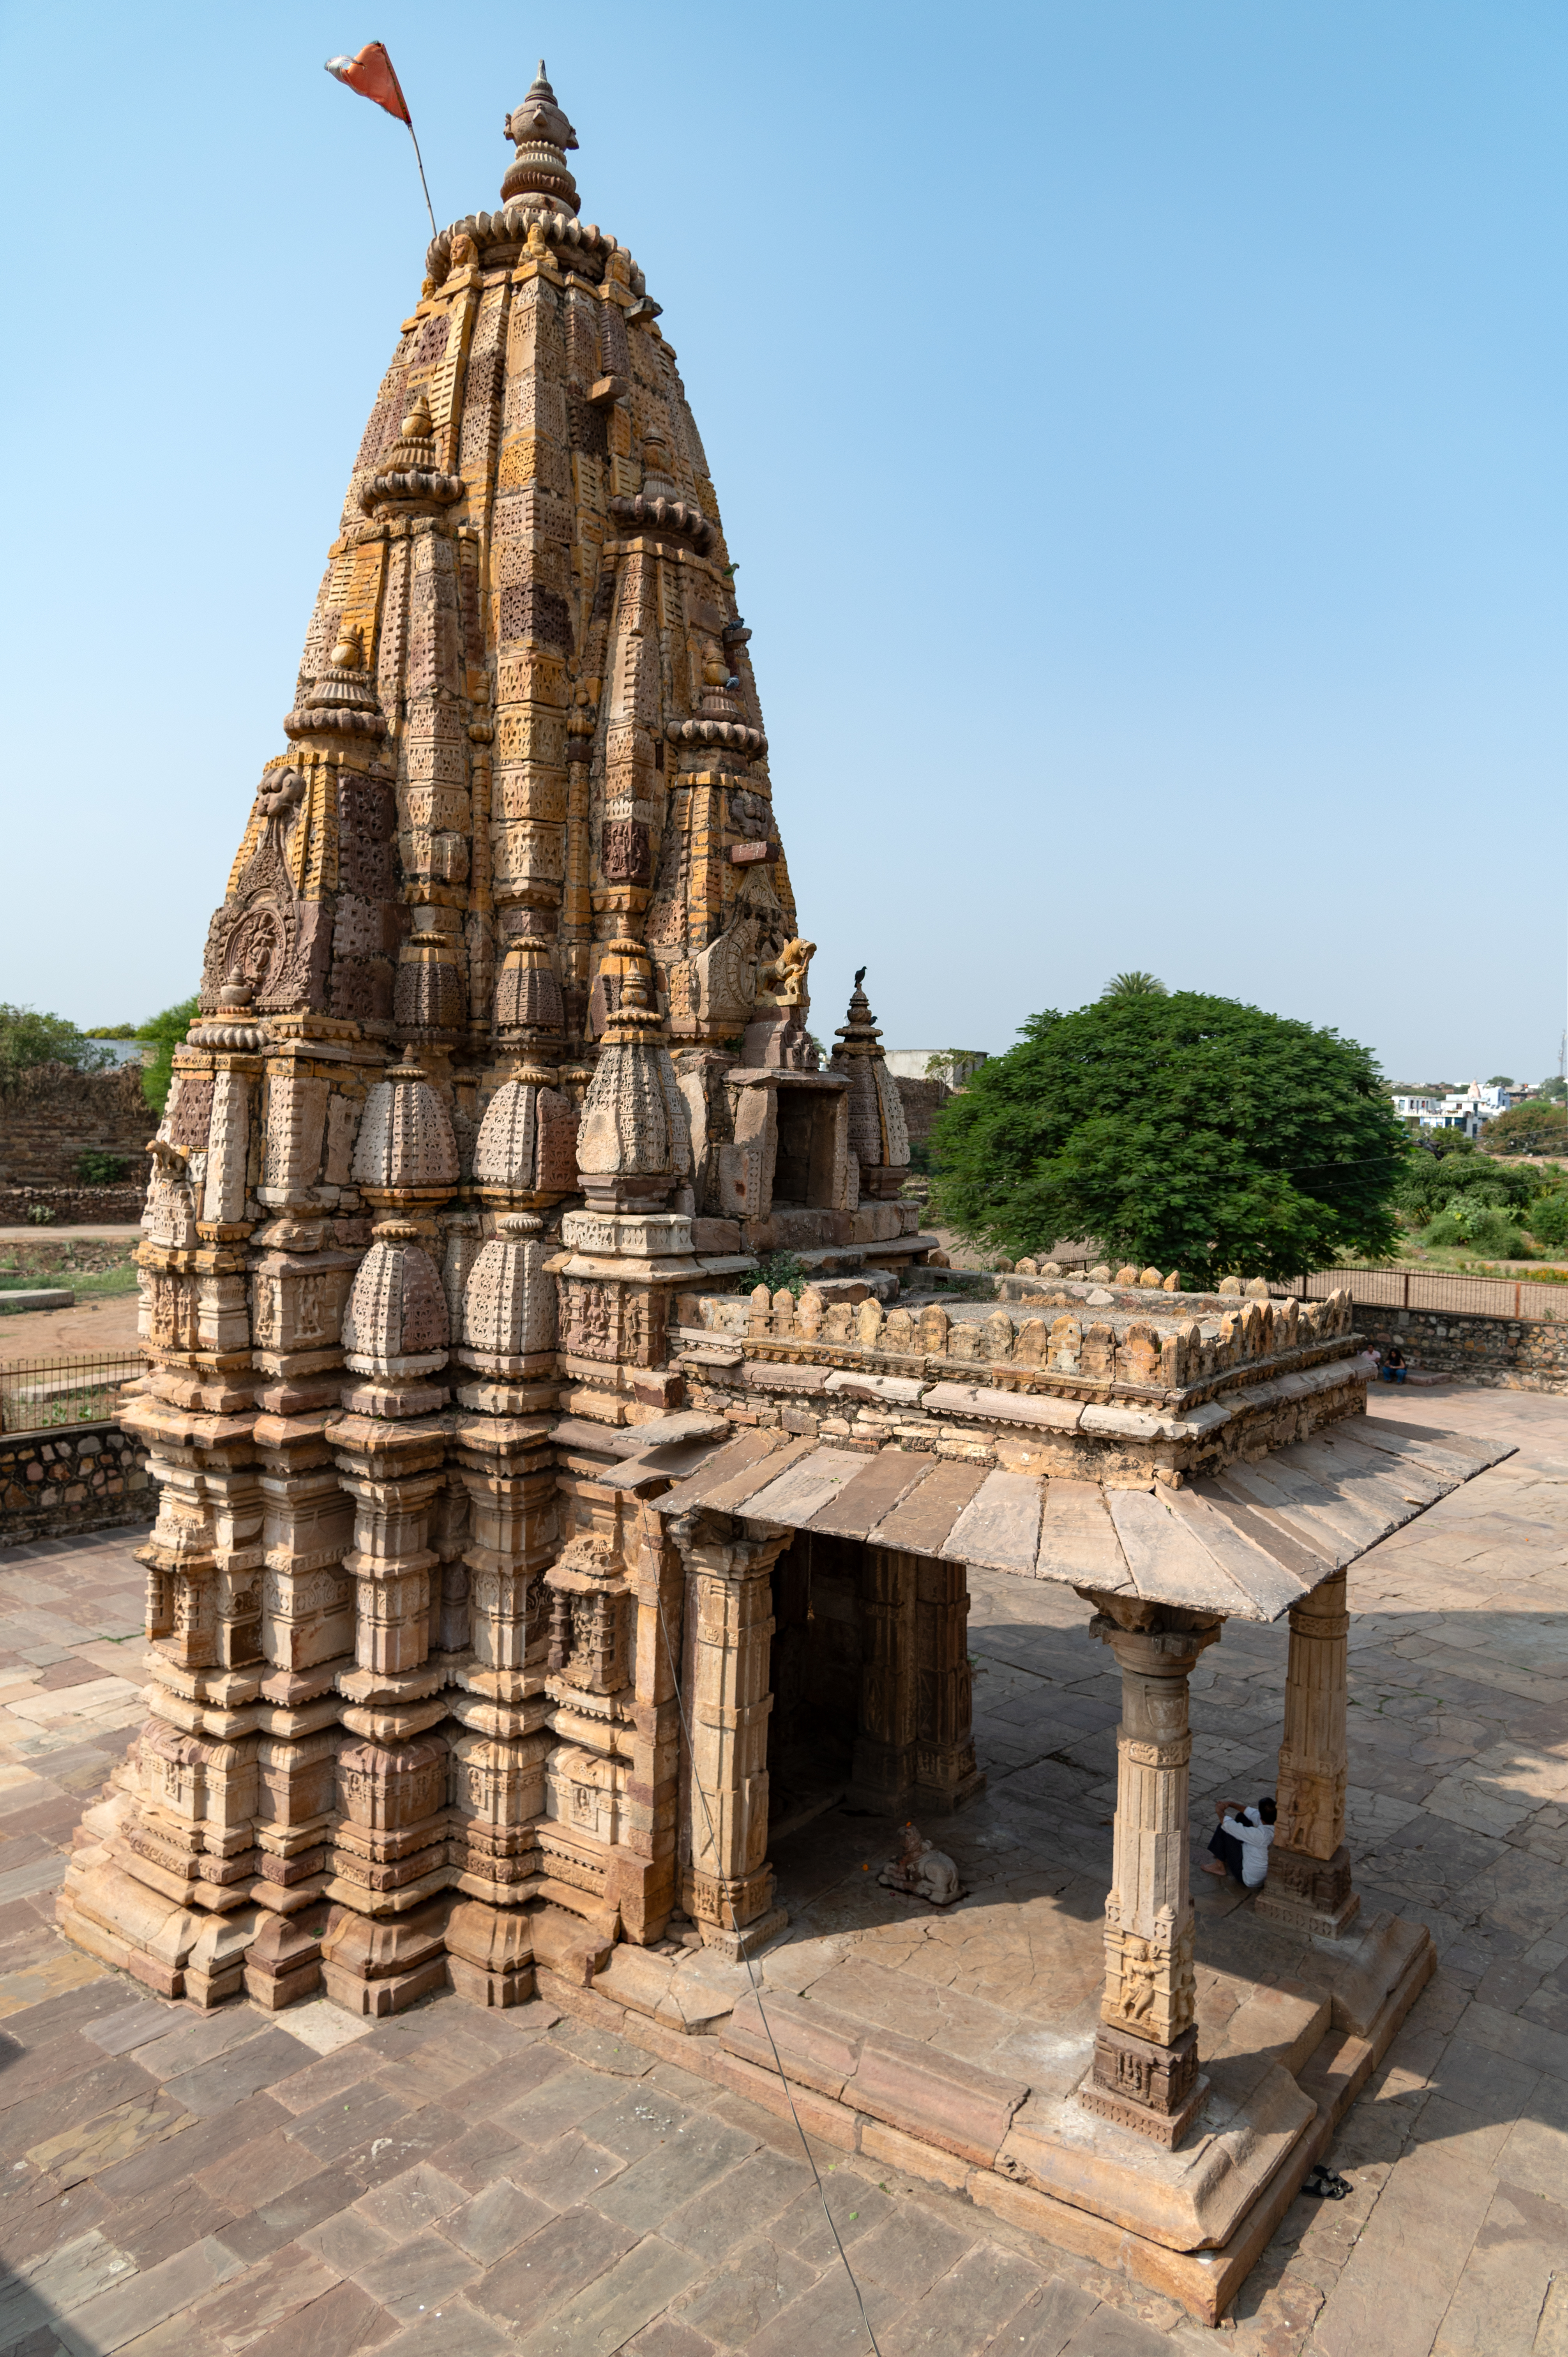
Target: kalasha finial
{"points": [[540, 133], [859, 1032], [349, 649]]}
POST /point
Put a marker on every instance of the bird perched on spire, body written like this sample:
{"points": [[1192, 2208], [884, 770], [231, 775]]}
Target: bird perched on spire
{"points": [[859, 976]]}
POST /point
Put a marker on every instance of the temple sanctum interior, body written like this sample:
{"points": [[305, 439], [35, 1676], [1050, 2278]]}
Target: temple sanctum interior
{"points": [[538, 1603]]}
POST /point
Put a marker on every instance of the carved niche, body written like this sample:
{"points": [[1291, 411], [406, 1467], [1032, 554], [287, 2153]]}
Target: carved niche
{"points": [[266, 934]]}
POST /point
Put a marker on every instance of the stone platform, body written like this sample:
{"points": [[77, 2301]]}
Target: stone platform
{"points": [[952, 2043]]}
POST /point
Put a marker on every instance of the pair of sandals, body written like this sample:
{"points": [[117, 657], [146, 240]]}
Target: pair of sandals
{"points": [[1325, 2184]]}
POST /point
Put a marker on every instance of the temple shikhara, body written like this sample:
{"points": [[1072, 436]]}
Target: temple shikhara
{"points": [[537, 1604]]}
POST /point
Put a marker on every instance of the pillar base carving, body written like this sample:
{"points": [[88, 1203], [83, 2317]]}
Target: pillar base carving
{"points": [[736, 1946], [283, 1962], [1157, 2091], [490, 1955], [1309, 1894], [377, 1968]]}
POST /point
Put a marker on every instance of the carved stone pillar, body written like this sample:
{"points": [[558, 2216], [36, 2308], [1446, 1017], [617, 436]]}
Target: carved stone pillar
{"points": [[1308, 1887], [726, 1883], [946, 1777], [883, 1773], [1145, 2075]]}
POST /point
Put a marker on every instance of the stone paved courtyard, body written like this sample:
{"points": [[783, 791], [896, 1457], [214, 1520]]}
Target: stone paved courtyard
{"points": [[454, 2181]]}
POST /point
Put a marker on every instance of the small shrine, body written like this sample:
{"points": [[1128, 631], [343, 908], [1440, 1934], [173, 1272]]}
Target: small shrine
{"points": [[528, 1580]]}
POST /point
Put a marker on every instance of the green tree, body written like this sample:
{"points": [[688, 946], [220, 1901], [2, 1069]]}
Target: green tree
{"points": [[1536, 1126], [1501, 1080], [166, 1031], [29, 1038], [1137, 985], [1183, 1130], [111, 1031]]}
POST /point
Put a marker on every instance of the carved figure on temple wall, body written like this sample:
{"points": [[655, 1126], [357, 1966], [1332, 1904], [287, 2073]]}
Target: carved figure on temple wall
{"points": [[785, 975], [726, 974]]}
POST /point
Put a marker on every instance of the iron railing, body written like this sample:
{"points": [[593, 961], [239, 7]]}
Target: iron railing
{"points": [[36, 1394], [1414, 1288]]}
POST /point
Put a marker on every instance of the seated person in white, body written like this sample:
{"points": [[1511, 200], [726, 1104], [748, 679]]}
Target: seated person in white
{"points": [[1240, 1843]]}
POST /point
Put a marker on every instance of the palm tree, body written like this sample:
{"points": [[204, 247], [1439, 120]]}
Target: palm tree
{"points": [[1135, 986]]}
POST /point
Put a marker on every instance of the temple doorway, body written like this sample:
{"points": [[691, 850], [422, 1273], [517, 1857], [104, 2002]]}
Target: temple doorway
{"points": [[871, 1684], [815, 1679]]}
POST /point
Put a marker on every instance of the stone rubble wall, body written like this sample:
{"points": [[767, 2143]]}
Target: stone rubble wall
{"points": [[54, 1259], [1527, 1354], [85, 1477], [71, 1207], [53, 1116]]}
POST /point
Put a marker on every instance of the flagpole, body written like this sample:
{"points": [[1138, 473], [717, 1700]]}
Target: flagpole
{"points": [[423, 181]]}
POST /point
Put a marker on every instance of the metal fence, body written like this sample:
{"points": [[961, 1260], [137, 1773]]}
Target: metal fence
{"points": [[39, 1394], [1411, 1288]]}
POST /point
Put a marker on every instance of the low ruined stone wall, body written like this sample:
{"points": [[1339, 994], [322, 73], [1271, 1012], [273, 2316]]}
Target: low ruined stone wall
{"points": [[54, 1116], [83, 1477], [50, 1258], [1528, 1354], [71, 1207]]}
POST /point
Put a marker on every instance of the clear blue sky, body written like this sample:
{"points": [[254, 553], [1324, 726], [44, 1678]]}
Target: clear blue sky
{"points": [[1140, 425]]}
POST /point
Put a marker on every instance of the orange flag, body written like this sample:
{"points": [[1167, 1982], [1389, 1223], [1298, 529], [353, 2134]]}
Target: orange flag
{"points": [[371, 73]]}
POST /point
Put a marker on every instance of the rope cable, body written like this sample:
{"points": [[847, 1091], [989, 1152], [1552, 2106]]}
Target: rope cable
{"points": [[757, 1989]]}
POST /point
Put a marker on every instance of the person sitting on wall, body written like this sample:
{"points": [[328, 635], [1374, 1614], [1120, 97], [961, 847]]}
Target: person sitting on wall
{"points": [[1394, 1364], [1240, 1843]]}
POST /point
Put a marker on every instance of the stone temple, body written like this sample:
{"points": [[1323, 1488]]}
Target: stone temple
{"points": [[533, 1594]]}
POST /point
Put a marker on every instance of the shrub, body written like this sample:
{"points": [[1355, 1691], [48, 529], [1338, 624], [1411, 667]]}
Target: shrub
{"points": [[1483, 1227], [101, 1169], [1430, 1182], [1548, 1220], [780, 1270]]}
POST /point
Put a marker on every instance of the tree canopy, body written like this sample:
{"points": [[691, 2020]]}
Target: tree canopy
{"points": [[1191, 1132], [28, 1036], [1536, 1126], [1135, 984]]}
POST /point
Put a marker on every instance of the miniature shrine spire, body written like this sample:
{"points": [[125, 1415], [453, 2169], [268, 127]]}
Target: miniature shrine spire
{"points": [[879, 1134]]}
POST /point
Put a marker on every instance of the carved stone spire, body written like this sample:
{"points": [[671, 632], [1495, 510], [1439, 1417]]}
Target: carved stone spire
{"points": [[541, 134], [405, 1154], [526, 1153], [408, 474], [879, 1134], [341, 699], [635, 1144]]}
